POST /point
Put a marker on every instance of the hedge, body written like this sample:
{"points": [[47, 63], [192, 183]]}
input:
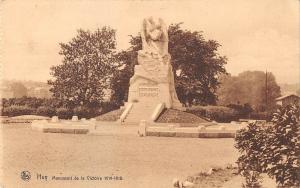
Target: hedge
{"points": [[64, 113], [16, 110], [229, 113], [83, 112], [50, 107], [45, 111], [217, 113]]}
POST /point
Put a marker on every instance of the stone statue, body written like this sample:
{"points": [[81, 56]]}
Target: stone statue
{"points": [[153, 79], [154, 37]]}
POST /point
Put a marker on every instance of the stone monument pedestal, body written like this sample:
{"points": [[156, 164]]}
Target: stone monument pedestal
{"points": [[153, 82]]}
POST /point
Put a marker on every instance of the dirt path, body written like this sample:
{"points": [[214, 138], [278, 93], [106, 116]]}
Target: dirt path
{"points": [[148, 162]]}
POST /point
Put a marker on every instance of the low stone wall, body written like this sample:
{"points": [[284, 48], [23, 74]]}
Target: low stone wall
{"points": [[214, 131], [73, 126], [66, 131], [193, 135]]}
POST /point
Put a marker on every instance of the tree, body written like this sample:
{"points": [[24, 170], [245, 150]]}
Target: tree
{"points": [[120, 81], [196, 65], [88, 65], [249, 87]]}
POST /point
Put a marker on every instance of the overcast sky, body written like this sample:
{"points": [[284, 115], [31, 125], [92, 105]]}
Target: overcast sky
{"points": [[254, 34]]}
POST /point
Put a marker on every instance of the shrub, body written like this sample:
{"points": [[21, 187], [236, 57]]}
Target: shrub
{"points": [[107, 107], [15, 110], [217, 113], [45, 111], [82, 112], [284, 148], [250, 142], [261, 116], [274, 149], [64, 113], [243, 111]]}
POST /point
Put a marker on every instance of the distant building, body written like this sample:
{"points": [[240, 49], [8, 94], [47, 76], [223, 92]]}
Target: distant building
{"points": [[40, 92], [288, 100]]}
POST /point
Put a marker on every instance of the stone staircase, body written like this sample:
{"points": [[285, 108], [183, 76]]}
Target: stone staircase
{"points": [[140, 111]]}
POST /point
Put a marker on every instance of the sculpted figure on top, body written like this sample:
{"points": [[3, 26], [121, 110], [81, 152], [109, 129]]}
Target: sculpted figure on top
{"points": [[154, 37]]}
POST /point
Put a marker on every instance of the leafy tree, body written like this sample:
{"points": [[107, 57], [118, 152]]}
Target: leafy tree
{"points": [[249, 87], [196, 65], [120, 81], [88, 65]]}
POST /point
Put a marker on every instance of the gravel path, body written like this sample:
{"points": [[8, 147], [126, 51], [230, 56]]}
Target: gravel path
{"points": [[148, 162]]}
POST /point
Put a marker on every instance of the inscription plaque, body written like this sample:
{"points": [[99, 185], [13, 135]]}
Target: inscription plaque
{"points": [[148, 91]]}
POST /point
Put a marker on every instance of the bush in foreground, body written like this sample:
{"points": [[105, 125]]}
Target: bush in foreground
{"points": [[274, 150]]}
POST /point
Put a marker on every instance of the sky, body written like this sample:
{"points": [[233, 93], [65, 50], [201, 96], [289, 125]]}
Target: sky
{"points": [[254, 34]]}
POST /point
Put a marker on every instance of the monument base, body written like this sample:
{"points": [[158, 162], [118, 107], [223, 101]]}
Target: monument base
{"points": [[153, 88], [147, 92]]}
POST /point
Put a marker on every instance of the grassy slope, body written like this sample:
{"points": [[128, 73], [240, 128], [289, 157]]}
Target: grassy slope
{"points": [[110, 116], [177, 116]]}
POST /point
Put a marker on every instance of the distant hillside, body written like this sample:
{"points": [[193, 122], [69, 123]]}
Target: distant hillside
{"points": [[17, 88], [26, 83], [289, 88]]}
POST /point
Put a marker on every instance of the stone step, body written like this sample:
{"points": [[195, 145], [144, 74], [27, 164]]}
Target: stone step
{"points": [[136, 118], [138, 109], [143, 109], [130, 123], [139, 112]]}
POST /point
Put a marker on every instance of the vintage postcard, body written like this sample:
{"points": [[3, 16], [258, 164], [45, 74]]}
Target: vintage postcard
{"points": [[150, 94]]}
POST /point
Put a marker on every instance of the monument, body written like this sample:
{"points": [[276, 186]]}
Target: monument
{"points": [[153, 79]]}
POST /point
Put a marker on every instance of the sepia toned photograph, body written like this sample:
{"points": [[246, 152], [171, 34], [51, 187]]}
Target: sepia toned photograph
{"points": [[150, 94]]}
